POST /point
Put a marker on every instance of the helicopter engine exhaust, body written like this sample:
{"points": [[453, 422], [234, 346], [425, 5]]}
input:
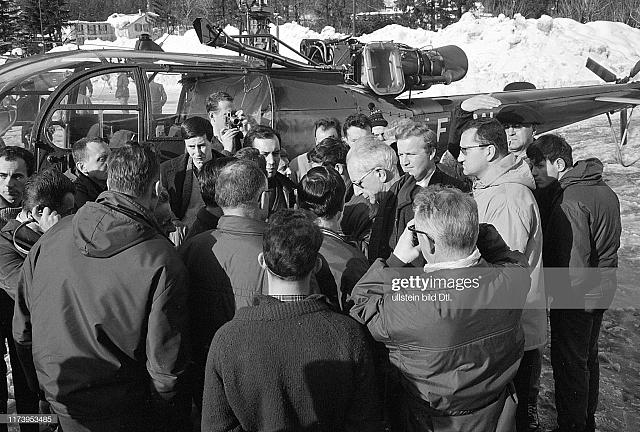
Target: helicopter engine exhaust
{"points": [[389, 68]]}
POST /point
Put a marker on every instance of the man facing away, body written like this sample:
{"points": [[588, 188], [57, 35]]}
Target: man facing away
{"points": [[208, 216], [323, 128], [16, 166], [223, 279], [457, 347], [90, 156], [101, 309], [288, 362], [322, 192], [582, 235], [503, 191], [48, 195]]}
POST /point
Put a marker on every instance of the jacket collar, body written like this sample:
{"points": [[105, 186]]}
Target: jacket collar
{"points": [[469, 261], [241, 225]]}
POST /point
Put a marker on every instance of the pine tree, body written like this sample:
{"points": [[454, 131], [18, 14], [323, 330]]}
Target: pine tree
{"points": [[9, 25], [45, 18]]}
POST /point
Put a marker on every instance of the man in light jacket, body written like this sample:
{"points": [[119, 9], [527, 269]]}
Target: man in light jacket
{"points": [[503, 191]]}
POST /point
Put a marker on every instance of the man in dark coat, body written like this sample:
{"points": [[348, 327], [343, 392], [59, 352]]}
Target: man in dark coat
{"points": [[208, 216], [580, 253], [456, 339], [288, 362], [90, 156], [16, 166], [322, 192], [417, 145], [280, 191], [180, 175], [47, 196], [101, 309]]}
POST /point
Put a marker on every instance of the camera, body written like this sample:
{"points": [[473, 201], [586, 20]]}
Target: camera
{"points": [[233, 120]]}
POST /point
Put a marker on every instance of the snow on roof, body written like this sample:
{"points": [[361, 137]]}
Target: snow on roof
{"points": [[120, 21]]}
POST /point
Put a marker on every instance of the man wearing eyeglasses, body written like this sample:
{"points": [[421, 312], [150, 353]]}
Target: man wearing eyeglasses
{"points": [[372, 166], [456, 350], [503, 190]]}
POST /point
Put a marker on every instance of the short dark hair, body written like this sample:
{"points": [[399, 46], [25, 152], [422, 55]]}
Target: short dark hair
{"points": [[253, 155], [290, 244], [133, 169], [239, 184], [358, 120], [208, 175], [79, 149], [12, 153], [321, 191], [261, 132], [489, 131], [328, 123], [215, 98], [47, 189], [329, 152], [550, 147], [196, 127]]}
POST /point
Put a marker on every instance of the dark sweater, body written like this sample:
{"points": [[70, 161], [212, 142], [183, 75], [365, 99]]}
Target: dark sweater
{"points": [[288, 367]]}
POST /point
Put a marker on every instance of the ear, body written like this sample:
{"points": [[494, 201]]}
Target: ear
{"points": [[108, 182], [432, 155], [80, 167], [339, 168], [34, 213], [383, 175], [261, 261], [560, 164], [318, 265]]}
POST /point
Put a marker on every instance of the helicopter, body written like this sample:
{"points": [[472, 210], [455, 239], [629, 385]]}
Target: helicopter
{"points": [[49, 101]]}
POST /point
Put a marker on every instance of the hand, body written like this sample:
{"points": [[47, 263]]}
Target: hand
{"points": [[227, 138], [480, 102], [405, 249], [47, 219]]}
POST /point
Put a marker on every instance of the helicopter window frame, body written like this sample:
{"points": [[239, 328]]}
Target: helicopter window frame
{"points": [[55, 102]]}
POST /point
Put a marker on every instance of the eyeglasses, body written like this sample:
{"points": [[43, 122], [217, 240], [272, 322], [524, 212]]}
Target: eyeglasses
{"points": [[359, 182], [463, 150], [413, 229]]}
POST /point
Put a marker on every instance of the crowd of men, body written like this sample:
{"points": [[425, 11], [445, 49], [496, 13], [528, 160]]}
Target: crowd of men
{"points": [[226, 291]]}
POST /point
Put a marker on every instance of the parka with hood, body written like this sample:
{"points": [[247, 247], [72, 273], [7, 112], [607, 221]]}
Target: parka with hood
{"points": [[505, 200], [101, 311], [583, 232]]}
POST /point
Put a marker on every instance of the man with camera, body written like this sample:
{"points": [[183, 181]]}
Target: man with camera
{"points": [[227, 123]]}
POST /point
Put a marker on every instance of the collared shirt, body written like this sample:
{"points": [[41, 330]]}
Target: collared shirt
{"points": [[425, 181], [289, 297]]}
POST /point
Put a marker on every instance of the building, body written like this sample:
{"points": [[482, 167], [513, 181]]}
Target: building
{"points": [[132, 25], [81, 31]]}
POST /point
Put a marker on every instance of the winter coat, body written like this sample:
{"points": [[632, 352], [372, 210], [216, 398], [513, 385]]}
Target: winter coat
{"points": [[102, 311], [87, 189], [396, 210], [583, 233], [455, 356], [505, 200], [347, 264], [225, 275]]}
